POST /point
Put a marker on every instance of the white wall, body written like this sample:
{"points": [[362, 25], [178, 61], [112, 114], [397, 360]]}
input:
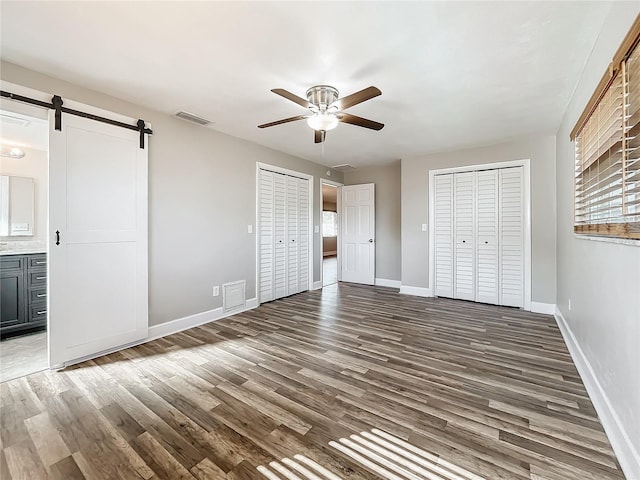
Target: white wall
{"points": [[202, 196], [541, 150], [387, 181], [602, 280], [34, 165]]}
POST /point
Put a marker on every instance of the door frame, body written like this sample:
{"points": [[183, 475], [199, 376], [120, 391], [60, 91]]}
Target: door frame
{"points": [[338, 185], [293, 173], [526, 164]]}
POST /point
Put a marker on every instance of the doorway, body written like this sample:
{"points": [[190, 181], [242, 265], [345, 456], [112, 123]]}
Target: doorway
{"points": [[330, 232], [24, 198]]}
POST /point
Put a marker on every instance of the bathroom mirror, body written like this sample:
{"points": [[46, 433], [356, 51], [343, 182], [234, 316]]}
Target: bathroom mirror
{"points": [[17, 196]]}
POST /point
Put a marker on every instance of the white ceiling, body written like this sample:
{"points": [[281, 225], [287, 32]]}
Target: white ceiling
{"points": [[453, 74], [18, 130]]}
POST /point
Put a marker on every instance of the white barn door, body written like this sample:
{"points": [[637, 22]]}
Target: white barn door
{"points": [[358, 230], [98, 260]]}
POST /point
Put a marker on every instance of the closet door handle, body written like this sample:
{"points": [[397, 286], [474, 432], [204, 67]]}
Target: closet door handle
{"points": [[464, 241], [371, 240], [486, 242]]}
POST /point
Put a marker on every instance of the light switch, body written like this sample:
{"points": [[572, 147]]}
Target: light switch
{"points": [[316, 229], [424, 227], [249, 228]]}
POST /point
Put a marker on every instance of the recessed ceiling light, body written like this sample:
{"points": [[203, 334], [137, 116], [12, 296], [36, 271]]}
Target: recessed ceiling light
{"points": [[12, 152]]}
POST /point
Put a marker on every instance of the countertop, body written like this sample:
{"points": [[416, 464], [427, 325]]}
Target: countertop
{"points": [[21, 248]]}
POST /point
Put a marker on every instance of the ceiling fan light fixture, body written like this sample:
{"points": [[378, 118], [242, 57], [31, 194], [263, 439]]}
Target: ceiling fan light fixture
{"points": [[323, 121]]}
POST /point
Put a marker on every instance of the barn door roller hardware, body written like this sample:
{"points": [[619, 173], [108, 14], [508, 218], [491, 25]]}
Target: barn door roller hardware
{"points": [[57, 105]]}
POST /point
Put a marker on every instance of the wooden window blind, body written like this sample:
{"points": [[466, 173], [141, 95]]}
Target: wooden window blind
{"points": [[607, 150]]}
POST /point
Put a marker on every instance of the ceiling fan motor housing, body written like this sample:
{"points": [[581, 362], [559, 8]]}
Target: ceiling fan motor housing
{"points": [[321, 97]]}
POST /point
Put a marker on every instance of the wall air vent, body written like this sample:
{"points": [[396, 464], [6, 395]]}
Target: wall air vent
{"points": [[345, 167], [190, 117]]}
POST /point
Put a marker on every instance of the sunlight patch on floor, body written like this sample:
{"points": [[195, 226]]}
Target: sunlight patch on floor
{"points": [[388, 456]]}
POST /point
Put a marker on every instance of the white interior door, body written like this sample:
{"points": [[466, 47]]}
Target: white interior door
{"points": [[266, 239], [358, 249], [464, 234], [487, 283], [98, 271], [293, 241], [280, 228], [443, 219], [303, 234], [511, 206]]}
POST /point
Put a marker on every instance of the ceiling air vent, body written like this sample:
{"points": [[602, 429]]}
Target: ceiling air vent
{"points": [[190, 117], [345, 167]]}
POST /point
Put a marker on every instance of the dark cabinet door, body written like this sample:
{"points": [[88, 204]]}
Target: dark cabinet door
{"points": [[12, 301]]}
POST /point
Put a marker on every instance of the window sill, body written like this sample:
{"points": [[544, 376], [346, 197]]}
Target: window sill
{"points": [[620, 241]]}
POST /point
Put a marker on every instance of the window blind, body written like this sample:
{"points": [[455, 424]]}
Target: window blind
{"points": [[607, 153]]}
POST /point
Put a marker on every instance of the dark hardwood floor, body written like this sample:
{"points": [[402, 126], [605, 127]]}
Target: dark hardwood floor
{"points": [[350, 382]]}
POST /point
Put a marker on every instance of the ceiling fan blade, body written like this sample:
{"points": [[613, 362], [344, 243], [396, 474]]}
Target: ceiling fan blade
{"points": [[280, 122], [359, 121], [290, 96], [358, 97], [319, 136]]}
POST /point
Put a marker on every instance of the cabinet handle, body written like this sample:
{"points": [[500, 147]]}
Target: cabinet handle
{"points": [[40, 295], [40, 263], [41, 312], [57, 237], [41, 278]]}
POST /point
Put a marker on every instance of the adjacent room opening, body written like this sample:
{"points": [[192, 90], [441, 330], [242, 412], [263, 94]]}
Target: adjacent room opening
{"points": [[330, 232], [24, 187]]}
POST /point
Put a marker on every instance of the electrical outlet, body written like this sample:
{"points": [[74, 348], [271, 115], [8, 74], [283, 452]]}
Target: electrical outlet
{"points": [[569, 305], [216, 291]]}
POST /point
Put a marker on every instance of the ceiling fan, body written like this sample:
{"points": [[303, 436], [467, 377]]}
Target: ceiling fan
{"points": [[326, 109]]}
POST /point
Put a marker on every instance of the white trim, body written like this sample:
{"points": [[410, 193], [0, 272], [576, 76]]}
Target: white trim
{"points": [[620, 241], [317, 285], [623, 446], [546, 308], [168, 328], [338, 203], [328, 254], [293, 173], [526, 163], [416, 291], [384, 282]]}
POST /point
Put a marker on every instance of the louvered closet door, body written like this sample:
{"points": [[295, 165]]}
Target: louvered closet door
{"points": [[266, 227], [511, 236], [464, 234], [444, 235], [293, 241], [280, 235], [303, 235], [487, 277]]}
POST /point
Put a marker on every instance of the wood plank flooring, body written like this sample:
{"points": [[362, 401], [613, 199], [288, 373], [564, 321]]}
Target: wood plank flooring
{"points": [[348, 382]]}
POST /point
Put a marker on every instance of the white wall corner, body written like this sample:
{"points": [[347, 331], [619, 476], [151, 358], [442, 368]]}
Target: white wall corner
{"points": [[546, 308], [625, 449], [383, 282], [416, 291], [317, 285]]}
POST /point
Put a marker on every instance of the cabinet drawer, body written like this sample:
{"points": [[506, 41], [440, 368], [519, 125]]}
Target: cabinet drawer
{"points": [[11, 262], [36, 278], [38, 295], [37, 312], [36, 261]]}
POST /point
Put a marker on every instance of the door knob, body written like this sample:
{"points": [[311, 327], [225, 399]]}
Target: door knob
{"points": [[371, 240]]}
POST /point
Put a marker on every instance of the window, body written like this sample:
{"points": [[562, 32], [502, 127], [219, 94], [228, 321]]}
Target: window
{"points": [[607, 150], [329, 224]]}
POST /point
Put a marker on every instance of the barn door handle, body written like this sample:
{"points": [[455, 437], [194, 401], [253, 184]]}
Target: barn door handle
{"points": [[57, 237]]}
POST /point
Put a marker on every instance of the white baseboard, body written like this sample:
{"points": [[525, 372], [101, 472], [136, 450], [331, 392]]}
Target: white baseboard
{"points": [[383, 282], [317, 285], [546, 308], [167, 328], [327, 254], [627, 454], [416, 291]]}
